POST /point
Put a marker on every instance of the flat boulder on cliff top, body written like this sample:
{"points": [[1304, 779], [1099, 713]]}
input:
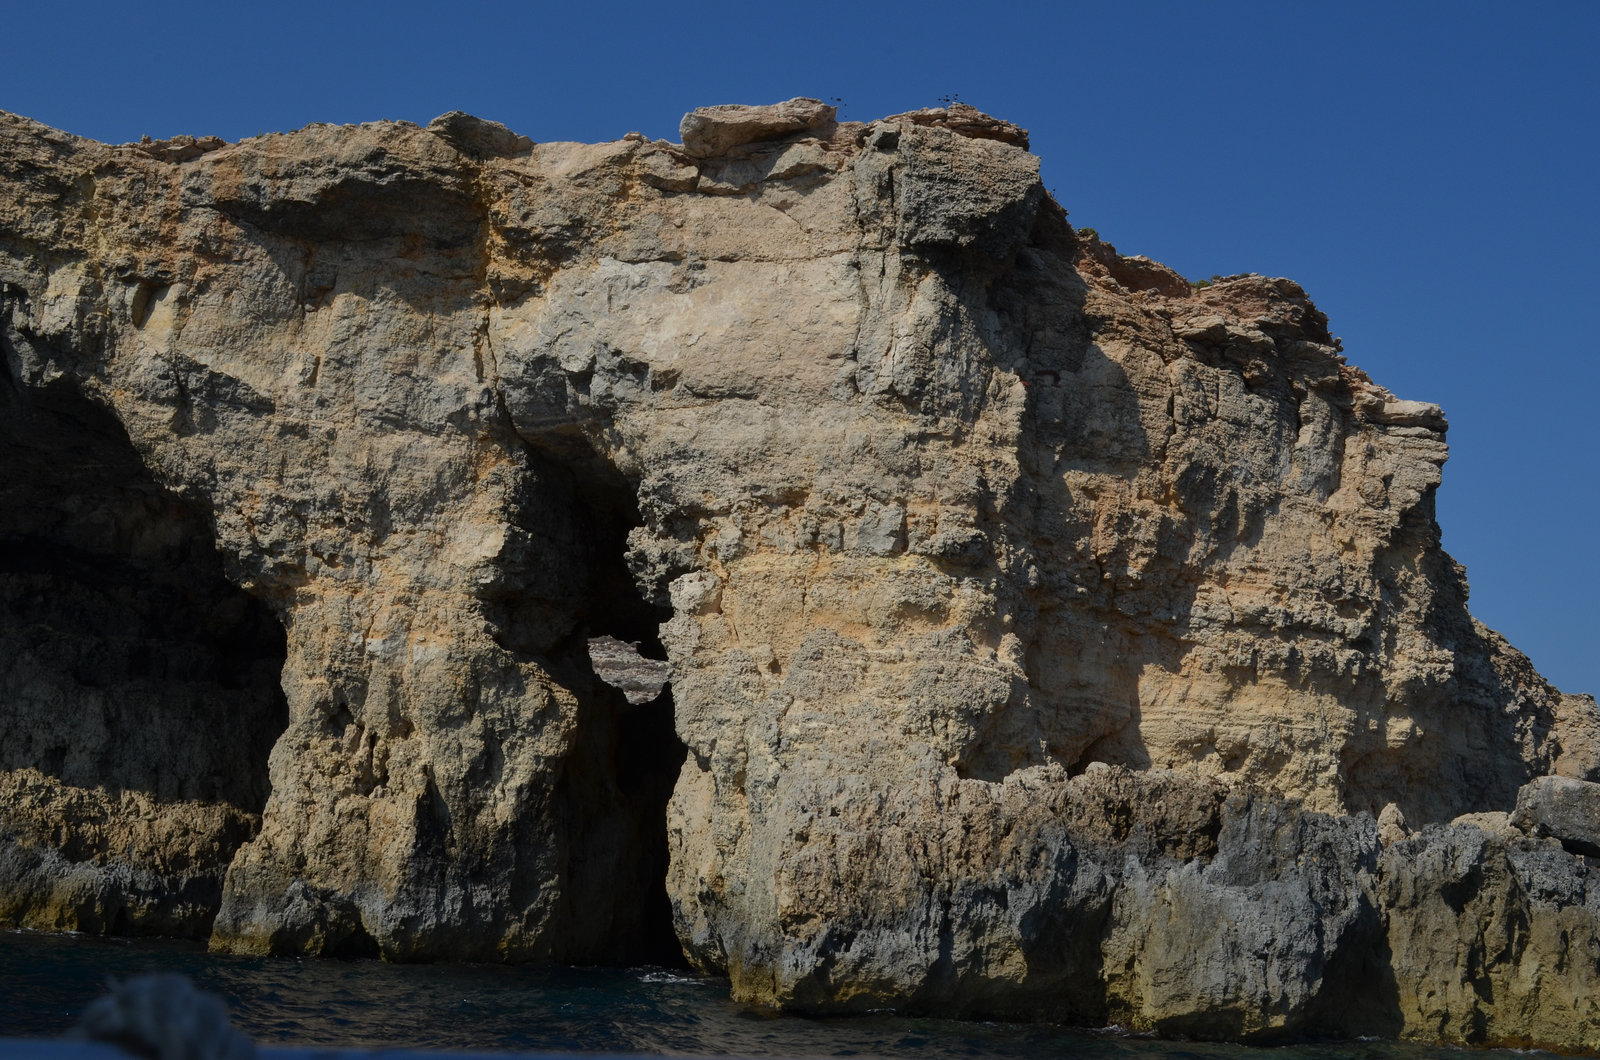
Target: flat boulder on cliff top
{"points": [[710, 131], [967, 120], [478, 137]]}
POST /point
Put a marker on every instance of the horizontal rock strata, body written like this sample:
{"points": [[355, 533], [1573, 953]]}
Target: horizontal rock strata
{"points": [[1047, 637]]}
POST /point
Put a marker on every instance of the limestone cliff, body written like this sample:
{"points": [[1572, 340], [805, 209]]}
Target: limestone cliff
{"points": [[1047, 636]]}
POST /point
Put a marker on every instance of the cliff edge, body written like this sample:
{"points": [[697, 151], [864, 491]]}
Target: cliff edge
{"points": [[1046, 636]]}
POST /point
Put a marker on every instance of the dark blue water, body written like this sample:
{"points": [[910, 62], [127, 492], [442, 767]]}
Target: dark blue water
{"points": [[46, 980]]}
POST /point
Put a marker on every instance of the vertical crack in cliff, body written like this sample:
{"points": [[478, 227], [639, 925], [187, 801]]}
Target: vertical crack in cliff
{"points": [[567, 600], [139, 689]]}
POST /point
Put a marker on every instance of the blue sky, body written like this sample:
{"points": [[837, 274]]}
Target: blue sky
{"points": [[1427, 171]]}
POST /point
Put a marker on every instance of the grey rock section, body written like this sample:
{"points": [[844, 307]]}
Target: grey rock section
{"points": [[1492, 939], [1563, 808], [1268, 938], [1143, 899], [620, 665]]}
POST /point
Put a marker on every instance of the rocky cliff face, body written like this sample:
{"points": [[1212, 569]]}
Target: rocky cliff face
{"points": [[1046, 636]]}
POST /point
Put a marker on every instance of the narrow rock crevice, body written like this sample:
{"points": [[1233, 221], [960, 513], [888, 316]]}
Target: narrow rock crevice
{"points": [[566, 598]]}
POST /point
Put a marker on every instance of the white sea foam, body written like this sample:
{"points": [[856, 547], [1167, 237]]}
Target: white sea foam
{"points": [[659, 976]]}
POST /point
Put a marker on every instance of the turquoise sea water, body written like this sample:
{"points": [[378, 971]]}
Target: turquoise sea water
{"points": [[46, 980]]}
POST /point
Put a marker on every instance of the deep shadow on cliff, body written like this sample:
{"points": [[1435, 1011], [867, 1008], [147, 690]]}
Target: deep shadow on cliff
{"points": [[1048, 637], [140, 686]]}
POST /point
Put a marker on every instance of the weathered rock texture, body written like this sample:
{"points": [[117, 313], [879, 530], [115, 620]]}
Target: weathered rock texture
{"points": [[1048, 637]]}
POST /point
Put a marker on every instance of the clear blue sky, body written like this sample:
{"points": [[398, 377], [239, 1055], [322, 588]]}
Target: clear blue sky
{"points": [[1428, 171]]}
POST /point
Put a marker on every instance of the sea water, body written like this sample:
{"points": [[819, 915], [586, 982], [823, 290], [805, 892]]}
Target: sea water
{"points": [[46, 980]]}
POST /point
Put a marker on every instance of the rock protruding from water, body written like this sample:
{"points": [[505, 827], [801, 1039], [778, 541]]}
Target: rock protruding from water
{"points": [[163, 1017]]}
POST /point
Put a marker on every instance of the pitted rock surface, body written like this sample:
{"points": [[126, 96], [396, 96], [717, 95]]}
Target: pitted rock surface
{"points": [[1048, 637]]}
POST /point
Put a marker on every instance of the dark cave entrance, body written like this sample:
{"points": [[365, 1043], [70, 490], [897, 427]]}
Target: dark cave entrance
{"points": [[569, 600], [128, 664]]}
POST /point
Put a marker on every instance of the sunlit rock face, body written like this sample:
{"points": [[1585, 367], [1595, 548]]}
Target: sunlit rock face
{"points": [[1046, 636]]}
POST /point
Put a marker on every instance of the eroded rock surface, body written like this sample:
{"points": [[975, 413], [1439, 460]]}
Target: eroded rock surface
{"points": [[1047, 636]]}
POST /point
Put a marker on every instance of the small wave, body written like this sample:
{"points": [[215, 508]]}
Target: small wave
{"points": [[672, 977]]}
